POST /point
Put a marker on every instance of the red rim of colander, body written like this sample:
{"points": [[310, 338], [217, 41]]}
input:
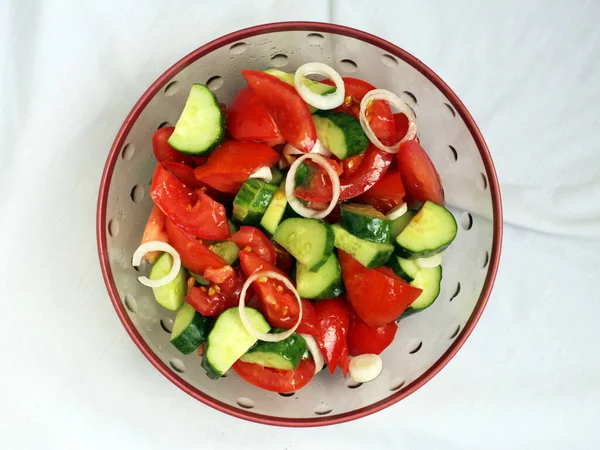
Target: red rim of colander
{"points": [[386, 47]]}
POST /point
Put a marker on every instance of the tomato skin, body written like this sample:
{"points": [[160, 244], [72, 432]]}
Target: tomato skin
{"points": [[233, 162], [155, 231], [223, 292], [185, 174], [373, 166], [418, 173], [195, 256], [290, 112], [401, 122], [193, 210], [284, 260], [364, 339], [378, 296], [275, 380], [163, 151], [387, 192], [249, 120], [257, 241], [277, 302], [334, 320], [351, 164]]}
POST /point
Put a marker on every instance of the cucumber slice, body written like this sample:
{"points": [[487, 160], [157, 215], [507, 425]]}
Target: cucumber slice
{"points": [[341, 133], [274, 213], [284, 355], [226, 250], [276, 176], [228, 340], [189, 330], [169, 296], [429, 232], [324, 283], [429, 280], [404, 268], [201, 126], [315, 86], [252, 200], [232, 227], [399, 224], [310, 241], [301, 173], [369, 254], [366, 222]]}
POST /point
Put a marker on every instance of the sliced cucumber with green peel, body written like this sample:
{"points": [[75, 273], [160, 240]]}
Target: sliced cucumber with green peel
{"points": [[324, 283], [404, 268], [341, 133], [169, 296], [429, 280], [252, 201], [200, 279], [226, 250], [274, 213], [276, 176], [232, 227], [229, 340], [283, 355], [369, 254], [315, 86], [201, 126], [189, 330], [399, 224], [310, 241], [366, 222], [301, 173], [430, 231]]}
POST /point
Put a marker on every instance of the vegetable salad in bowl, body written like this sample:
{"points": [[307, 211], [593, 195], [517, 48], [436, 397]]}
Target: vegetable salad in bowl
{"points": [[294, 227]]}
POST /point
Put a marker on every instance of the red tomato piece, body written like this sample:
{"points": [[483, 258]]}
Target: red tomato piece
{"points": [[287, 108], [233, 162], [155, 231], [401, 122], [223, 292], [163, 151], [378, 296], [387, 192], [372, 167], [193, 210], [255, 240], [276, 380], [351, 164], [195, 256], [418, 173], [185, 174], [334, 320], [278, 303], [365, 339], [284, 260], [249, 120]]}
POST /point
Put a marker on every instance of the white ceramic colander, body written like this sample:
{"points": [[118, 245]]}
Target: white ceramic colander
{"points": [[426, 341]]}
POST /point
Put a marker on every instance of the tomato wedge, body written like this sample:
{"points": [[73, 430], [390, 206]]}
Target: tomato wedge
{"points": [[223, 292], [378, 296], [364, 339], [278, 304], [233, 162], [256, 241], [379, 113], [163, 151], [350, 165], [155, 231], [401, 122], [195, 256], [249, 120], [290, 112], [276, 380], [418, 173], [373, 166], [284, 260], [185, 174], [193, 210], [387, 192], [333, 318]]}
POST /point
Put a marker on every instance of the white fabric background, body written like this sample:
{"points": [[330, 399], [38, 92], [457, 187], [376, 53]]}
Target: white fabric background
{"points": [[528, 377]]}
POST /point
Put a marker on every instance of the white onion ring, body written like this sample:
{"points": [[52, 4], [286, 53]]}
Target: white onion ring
{"points": [[263, 173], [431, 261], [328, 101], [318, 148], [242, 307], [401, 106], [315, 351], [152, 246], [397, 211], [290, 186]]}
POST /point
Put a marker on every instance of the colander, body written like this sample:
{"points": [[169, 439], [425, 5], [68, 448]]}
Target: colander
{"points": [[425, 342]]}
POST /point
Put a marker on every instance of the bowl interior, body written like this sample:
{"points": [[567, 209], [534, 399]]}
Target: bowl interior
{"points": [[444, 130]]}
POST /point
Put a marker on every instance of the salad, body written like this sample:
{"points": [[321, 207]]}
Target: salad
{"points": [[292, 228]]}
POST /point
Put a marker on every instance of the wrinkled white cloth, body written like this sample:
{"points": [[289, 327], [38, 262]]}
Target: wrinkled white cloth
{"points": [[527, 378]]}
